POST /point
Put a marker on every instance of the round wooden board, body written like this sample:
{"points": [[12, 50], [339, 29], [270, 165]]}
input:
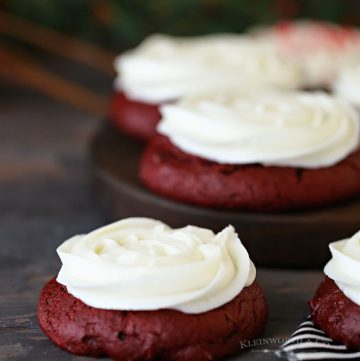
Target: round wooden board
{"points": [[297, 240]]}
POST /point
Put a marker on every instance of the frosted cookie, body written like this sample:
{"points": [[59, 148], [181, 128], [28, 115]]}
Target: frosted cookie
{"points": [[140, 290], [335, 307], [321, 49], [163, 69], [265, 152]]}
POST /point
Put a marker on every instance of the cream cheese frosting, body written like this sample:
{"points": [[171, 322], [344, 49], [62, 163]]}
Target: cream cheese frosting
{"points": [[143, 264], [344, 266], [164, 68], [300, 129], [348, 84]]}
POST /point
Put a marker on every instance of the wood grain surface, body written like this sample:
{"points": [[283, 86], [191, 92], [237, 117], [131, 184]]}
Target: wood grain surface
{"points": [[45, 198]]}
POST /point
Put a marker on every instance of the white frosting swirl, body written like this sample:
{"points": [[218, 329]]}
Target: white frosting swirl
{"points": [[344, 267], [142, 264], [297, 129], [347, 85], [164, 68]]}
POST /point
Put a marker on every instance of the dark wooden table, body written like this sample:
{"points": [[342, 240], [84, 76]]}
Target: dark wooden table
{"points": [[45, 197]]}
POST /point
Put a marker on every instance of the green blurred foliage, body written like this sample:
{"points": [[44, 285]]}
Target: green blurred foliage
{"points": [[122, 23]]}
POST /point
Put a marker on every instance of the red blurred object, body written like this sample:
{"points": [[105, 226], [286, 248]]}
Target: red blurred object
{"points": [[134, 118], [316, 33]]}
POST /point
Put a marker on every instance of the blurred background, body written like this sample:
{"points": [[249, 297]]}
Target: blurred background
{"points": [[116, 24], [43, 43]]}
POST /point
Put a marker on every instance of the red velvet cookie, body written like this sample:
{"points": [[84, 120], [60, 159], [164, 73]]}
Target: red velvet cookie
{"points": [[169, 171], [151, 335], [336, 314], [133, 118]]}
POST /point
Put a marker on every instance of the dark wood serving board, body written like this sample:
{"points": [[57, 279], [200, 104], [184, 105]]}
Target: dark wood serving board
{"points": [[298, 240]]}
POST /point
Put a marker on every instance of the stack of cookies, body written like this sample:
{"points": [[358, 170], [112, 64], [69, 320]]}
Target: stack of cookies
{"points": [[260, 130], [242, 121]]}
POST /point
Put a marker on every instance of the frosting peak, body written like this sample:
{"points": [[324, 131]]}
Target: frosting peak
{"points": [[143, 264], [164, 68], [344, 267], [286, 129]]}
